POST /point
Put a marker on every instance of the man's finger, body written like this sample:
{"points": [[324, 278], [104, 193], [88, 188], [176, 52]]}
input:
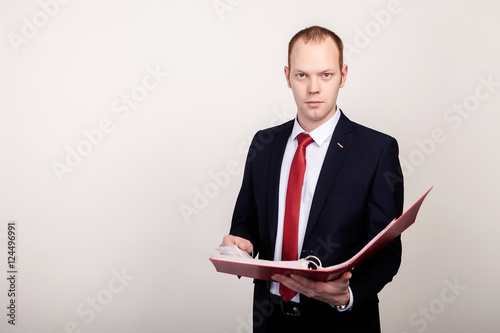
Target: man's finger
{"points": [[290, 283], [242, 243], [346, 276], [228, 240], [305, 281]]}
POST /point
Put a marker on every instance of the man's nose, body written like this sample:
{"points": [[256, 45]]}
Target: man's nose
{"points": [[313, 86]]}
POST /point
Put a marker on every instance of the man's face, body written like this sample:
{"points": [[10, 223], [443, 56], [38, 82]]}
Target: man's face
{"points": [[315, 78]]}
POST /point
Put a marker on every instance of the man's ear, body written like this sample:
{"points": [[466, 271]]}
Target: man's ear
{"points": [[287, 76], [343, 77]]}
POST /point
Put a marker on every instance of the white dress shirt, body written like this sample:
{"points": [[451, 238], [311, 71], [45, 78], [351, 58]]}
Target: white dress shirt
{"points": [[315, 155]]}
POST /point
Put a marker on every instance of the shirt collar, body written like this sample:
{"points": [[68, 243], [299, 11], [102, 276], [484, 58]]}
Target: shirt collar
{"points": [[321, 133]]}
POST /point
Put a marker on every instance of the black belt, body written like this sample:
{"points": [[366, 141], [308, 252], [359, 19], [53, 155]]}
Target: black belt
{"points": [[289, 308]]}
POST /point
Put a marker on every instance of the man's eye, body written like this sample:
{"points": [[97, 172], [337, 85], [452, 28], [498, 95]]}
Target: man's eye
{"points": [[327, 74], [301, 75]]}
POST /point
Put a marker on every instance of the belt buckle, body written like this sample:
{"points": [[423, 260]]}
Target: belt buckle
{"points": [[290, 308]]}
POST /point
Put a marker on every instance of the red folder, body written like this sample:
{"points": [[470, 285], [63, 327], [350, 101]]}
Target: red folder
{"points": [[263, 269]]}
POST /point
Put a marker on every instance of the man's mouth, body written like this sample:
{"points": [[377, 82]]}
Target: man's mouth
{"points": [[314, 103]]}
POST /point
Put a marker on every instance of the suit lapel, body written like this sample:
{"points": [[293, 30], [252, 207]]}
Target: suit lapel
{"points": [[276, 158], [339, 145]]}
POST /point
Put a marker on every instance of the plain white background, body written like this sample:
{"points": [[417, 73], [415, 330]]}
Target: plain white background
{"points": [[150, 198]]}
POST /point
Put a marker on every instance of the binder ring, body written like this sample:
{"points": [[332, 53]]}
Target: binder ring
{"points": [[313, 262]]}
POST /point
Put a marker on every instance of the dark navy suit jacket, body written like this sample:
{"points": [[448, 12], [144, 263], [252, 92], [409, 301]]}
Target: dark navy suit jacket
{"points": [[359, 191]]}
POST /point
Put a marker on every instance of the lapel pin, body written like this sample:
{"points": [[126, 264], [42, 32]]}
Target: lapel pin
{"points": [[340, 145]]}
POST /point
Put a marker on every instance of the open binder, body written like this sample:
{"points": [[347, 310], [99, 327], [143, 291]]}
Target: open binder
{"points": [[263, 269]]}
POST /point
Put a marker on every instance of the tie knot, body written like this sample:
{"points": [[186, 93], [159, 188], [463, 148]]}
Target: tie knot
{"points": [[304, 139]]}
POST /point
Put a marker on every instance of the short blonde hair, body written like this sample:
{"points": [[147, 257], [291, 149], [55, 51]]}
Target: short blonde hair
{"points": [[317, 34]]}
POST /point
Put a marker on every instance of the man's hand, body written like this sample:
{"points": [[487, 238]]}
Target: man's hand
{"points": [[335, 292], [242, 243]]}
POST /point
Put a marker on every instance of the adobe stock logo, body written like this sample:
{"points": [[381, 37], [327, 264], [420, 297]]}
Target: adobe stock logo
{"points": [[219, 180], [40, 19], [122, 106], [372, 28], [430, 313], [454, 117], [223, 6], [97, 303]]}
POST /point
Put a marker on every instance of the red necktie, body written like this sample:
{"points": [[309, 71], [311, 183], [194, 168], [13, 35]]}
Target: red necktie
{"points": [[292, 207]]}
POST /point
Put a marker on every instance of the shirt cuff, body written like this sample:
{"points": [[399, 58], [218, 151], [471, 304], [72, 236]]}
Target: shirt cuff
{"points": [[351, 302]]}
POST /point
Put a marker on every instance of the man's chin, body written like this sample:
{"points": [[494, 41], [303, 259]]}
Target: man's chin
{"points": [[320, 114]]}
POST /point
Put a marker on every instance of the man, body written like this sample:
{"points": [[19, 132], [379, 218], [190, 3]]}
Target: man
{"points": [[318, 185]]}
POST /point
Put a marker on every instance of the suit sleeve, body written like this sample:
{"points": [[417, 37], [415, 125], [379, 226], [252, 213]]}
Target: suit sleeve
{"points": [[384, 203], [245, 219]]}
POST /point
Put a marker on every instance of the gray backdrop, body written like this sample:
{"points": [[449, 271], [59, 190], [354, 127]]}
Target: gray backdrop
{"points": [[124, 127]]}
